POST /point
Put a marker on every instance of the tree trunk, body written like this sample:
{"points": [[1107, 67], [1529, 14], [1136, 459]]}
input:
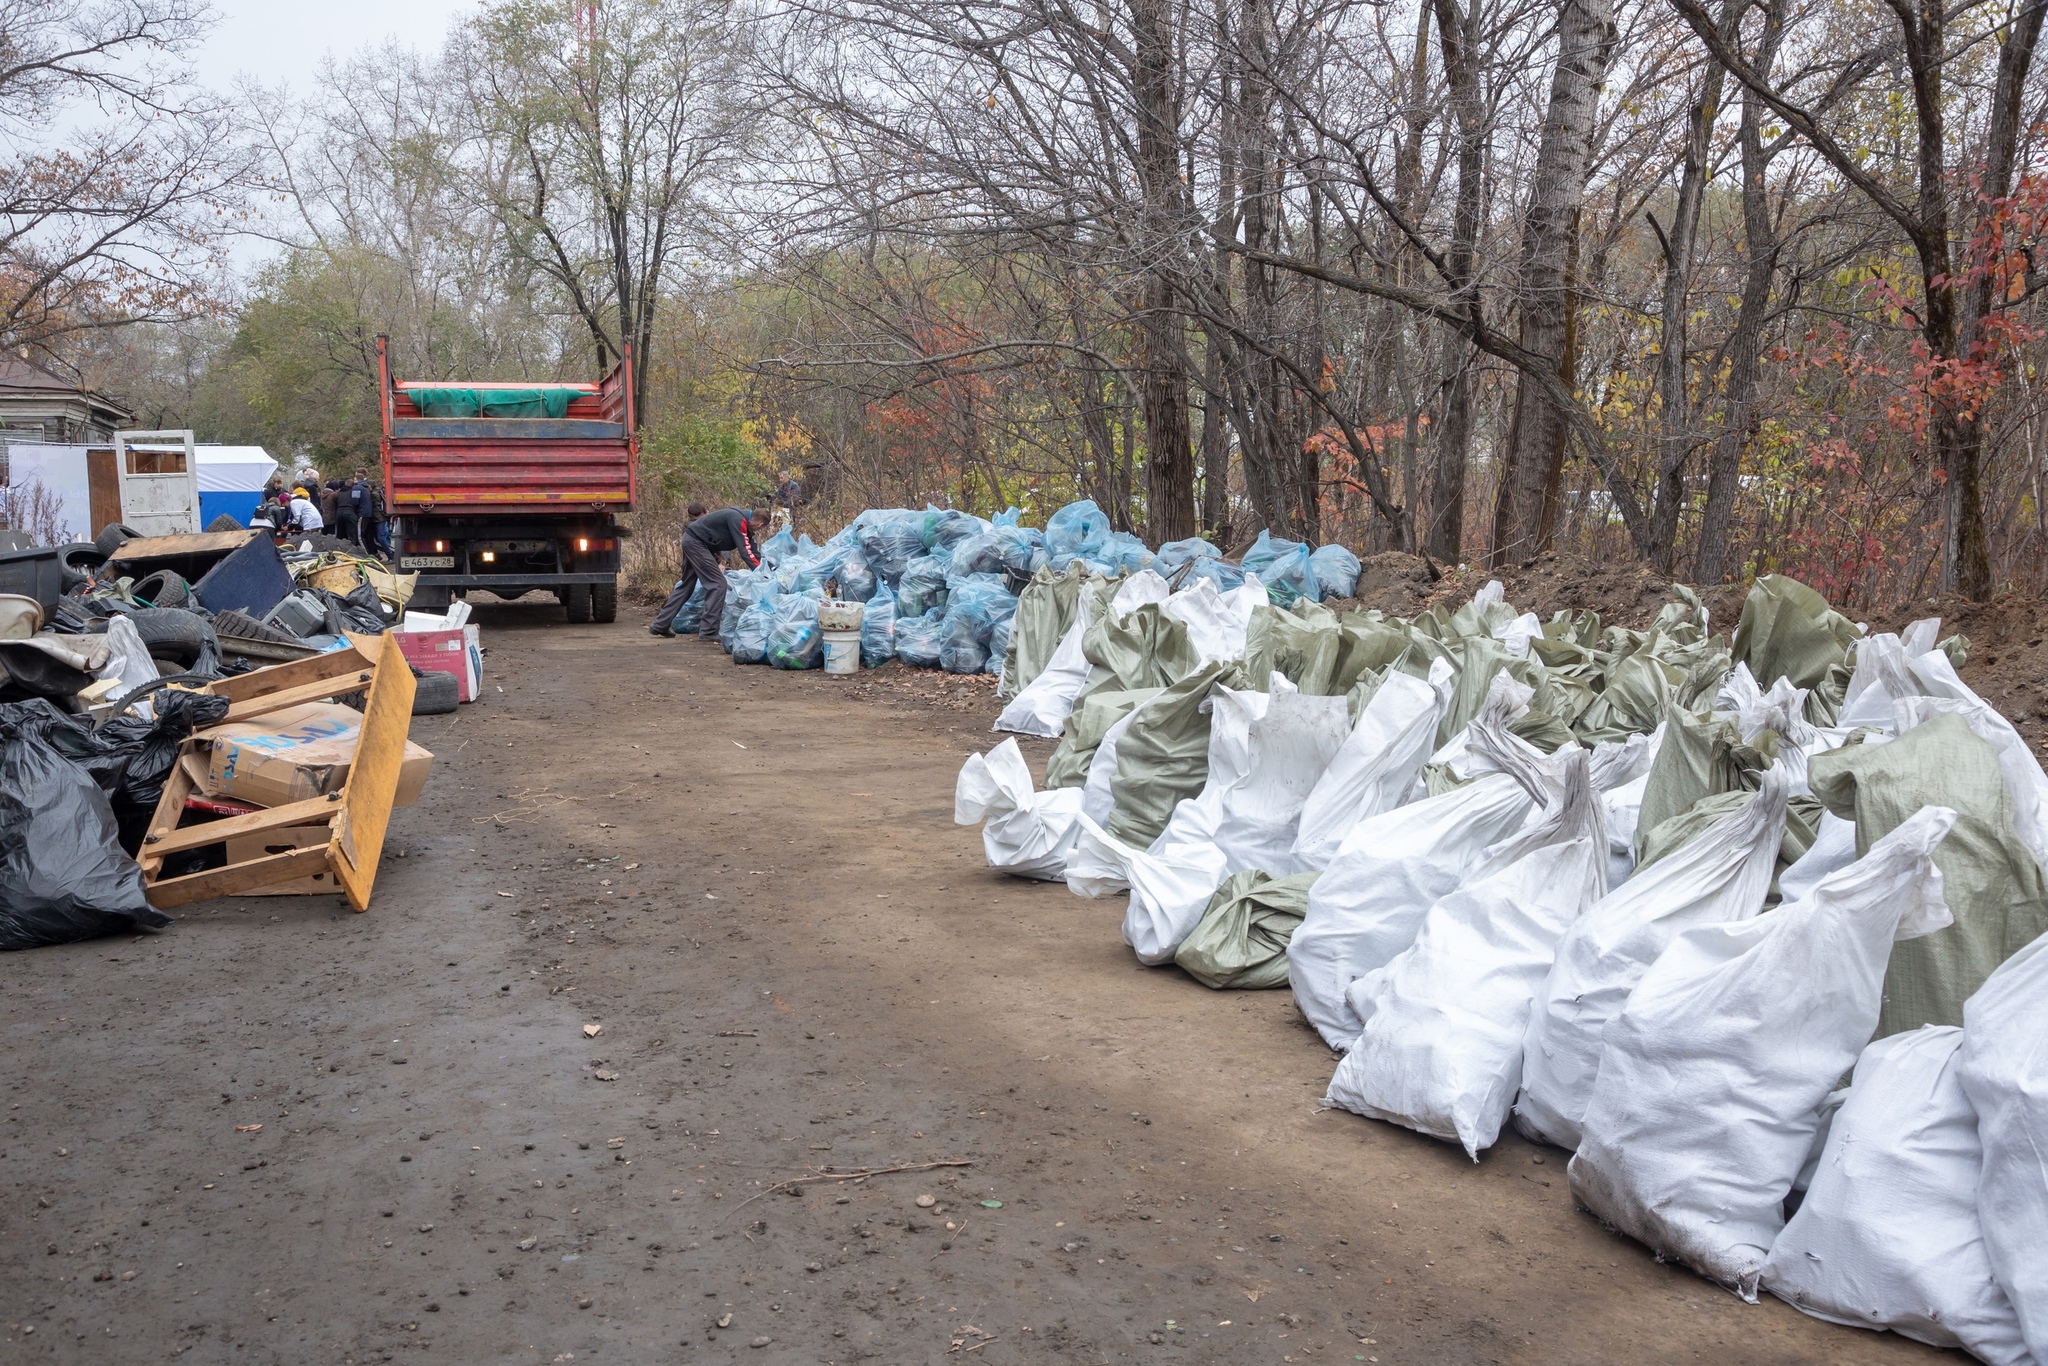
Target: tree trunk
{"points": [[1745, 348], [1966, 548], [1674, 437], [1458, 36], [1215, 447], [1169, 458], [1525, 511]]}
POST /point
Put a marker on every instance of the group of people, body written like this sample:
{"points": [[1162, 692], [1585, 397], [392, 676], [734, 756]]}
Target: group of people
{"points": [[352, 508]]}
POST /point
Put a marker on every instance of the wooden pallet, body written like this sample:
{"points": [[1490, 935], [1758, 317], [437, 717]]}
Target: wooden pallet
{"points": [[355, 817]]}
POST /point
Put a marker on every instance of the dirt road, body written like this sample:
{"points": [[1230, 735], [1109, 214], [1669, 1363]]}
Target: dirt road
{"points": [[749, 883]]}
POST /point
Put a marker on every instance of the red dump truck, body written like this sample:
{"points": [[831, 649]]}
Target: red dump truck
{"points": [[510, 487]]}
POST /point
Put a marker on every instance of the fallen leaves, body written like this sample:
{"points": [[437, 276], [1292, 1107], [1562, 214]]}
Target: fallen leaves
{"points": [[248, 1128], [605, 1074], [591, 1031]]}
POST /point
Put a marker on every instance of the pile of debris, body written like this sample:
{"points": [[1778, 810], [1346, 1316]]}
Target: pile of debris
{"points": [[938, 588], [152, 687], [1649, 895]]}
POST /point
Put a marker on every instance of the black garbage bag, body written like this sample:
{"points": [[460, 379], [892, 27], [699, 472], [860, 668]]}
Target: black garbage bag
{"points": [[129, 757], [361, 611], [63, 875]]}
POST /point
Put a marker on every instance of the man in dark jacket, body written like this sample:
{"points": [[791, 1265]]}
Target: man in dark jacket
{"points": [[704, 540]]}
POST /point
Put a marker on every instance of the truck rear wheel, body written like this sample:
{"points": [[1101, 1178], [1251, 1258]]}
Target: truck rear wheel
{"points": [[576, 602], [604, 602]]}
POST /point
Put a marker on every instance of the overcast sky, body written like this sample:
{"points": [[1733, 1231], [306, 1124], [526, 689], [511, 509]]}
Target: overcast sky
{"points": [[284, 43]]}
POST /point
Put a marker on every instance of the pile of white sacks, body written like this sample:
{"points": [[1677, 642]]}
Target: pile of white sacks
{"points": [[1698, 1037]]}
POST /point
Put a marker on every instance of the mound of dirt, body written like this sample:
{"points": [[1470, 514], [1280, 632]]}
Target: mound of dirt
{"points": [[2008, 657], [1624, 593]]}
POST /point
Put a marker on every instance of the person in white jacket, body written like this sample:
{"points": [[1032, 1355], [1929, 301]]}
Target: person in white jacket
{"points": [[305, 512]]}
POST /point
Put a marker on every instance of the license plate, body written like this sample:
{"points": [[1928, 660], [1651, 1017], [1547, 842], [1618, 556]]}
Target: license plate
{"points": [[426, 562]]}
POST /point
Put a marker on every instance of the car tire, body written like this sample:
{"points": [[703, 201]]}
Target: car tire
{"points": [[576, 602], [604, 602], [165, 588], [113, 536], [175, 634], [76, 561], [435, 693]]}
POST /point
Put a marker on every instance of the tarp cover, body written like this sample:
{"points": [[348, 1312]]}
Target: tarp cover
{"points": [[550, 401]]}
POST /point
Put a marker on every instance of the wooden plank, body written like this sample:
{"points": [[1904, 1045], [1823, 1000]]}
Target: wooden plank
{"points": [[268, 871], [258, 682], [317, 691], [170, 809], [373, 777], [200, 543], [313, 809], [102, 487]]}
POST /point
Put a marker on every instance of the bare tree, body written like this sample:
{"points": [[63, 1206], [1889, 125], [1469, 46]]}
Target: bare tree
{"points": [[614, 121], [116, 173]]}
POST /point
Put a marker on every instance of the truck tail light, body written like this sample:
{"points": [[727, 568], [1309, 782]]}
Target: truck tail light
{"points": [[583, 543], [586, 544], [490, 557], [440, 546]]}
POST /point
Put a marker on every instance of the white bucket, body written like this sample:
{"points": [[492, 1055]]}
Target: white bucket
{"points": [[842, 652]]}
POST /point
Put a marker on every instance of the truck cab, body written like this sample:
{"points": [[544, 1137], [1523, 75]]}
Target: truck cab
{"points": [[510, 486]]}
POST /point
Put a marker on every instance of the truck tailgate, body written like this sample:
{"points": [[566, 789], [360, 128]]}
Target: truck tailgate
{"points": [[448, 473]]}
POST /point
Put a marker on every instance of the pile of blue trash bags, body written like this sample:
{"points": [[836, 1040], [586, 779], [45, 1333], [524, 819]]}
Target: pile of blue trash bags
{"points": [[940, 586]]}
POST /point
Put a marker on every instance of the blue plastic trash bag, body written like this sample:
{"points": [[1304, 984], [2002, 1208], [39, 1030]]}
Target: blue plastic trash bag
{"points": [[1222, 573], [922, 587], [779, 548], [750, 634], [975, 605], [959, 651], [1174, 554], [1282, 566], [744, 588], [1336, 571], [794, 638], [890, 538], [917, 638], [994, 551], [878, 630], [999, 644], [1075, 532], [945, 528], [1010, 516], [691, 618], [842, 563], [1122, 552]]}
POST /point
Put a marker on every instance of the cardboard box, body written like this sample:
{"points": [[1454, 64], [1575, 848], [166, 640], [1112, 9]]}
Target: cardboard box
{"points": [[457, 650], [244, 847], [296, 754]]}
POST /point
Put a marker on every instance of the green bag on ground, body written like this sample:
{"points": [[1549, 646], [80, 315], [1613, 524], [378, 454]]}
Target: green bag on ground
{"points": [[1802, 823], [1241, 940], [1145, 648], [1085, 726], [1789, 631], [1302, 643], [1991, 880], [1701, 756], [1045, 611], [1163, 757]]}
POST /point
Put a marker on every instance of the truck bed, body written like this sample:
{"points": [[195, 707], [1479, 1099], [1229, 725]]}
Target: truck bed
{"points": [[583, 460]]}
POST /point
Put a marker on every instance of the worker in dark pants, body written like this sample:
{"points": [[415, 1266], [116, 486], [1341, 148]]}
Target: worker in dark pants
{"points": [[704, 540]]}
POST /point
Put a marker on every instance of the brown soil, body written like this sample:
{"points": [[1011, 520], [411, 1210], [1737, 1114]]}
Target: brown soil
{"points": [[799, 965]]}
